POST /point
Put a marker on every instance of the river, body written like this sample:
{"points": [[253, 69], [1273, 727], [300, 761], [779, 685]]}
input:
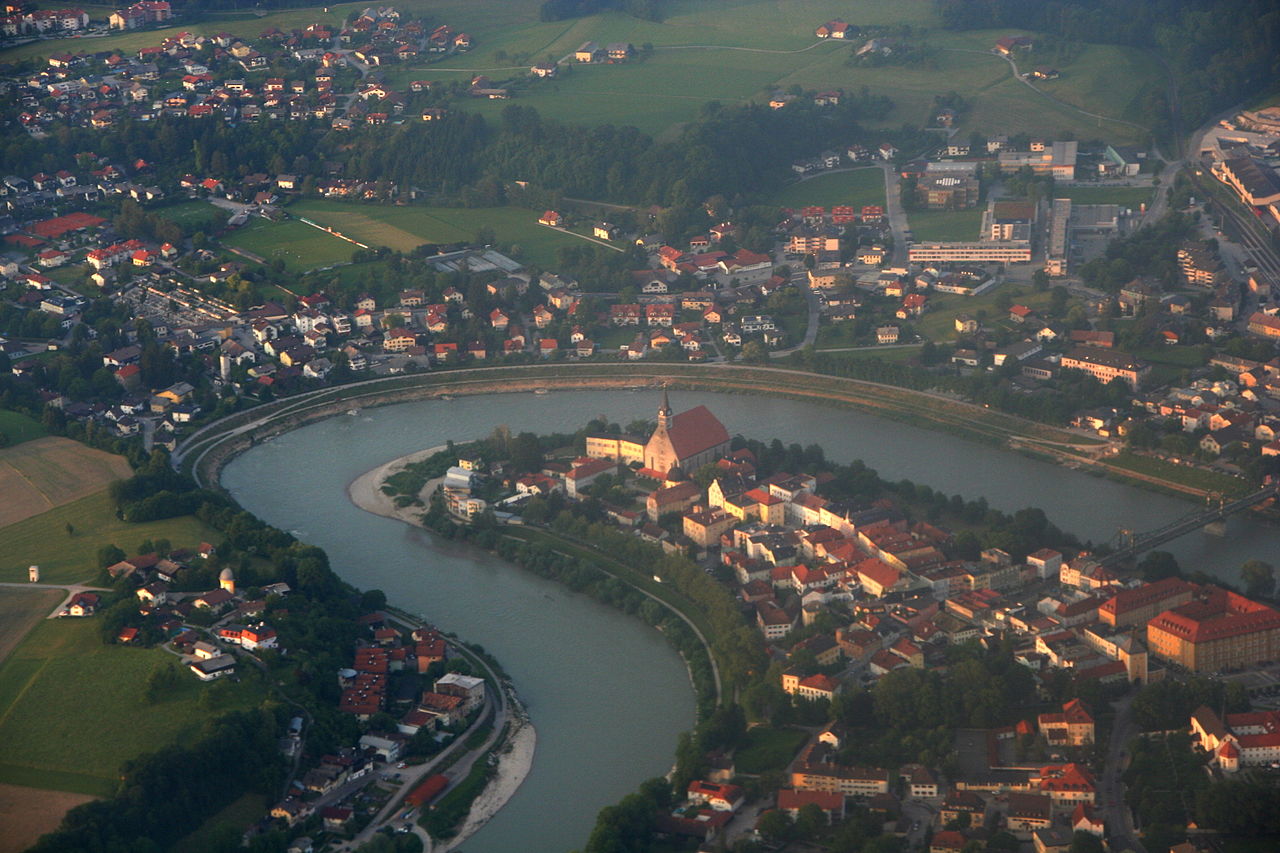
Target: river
{"points": [[607, 694]]}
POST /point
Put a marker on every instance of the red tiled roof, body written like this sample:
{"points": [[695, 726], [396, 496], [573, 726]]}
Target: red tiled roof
{"points": [[696, 430], [789, 798], [1218, 616]]}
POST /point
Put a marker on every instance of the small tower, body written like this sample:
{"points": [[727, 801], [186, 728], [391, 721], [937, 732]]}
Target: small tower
{"points": [[664, 412], [33, 574], [227, 580]]}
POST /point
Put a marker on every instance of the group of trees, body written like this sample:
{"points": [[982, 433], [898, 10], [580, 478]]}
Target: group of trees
{"points": [[1150, 251], [167, 794]]}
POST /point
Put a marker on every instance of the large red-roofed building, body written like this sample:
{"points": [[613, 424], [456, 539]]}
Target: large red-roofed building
{"points": [[1216, 630], [1138, 605], [688, 440]]}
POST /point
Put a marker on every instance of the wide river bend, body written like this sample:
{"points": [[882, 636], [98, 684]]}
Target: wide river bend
{"points": [[607, 694]]}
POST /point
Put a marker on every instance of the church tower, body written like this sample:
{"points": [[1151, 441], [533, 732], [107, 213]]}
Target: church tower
{"points": [[664, 412]]}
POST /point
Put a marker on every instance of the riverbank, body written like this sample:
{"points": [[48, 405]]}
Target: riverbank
{"points": [[366, 492], [212, 446], [514, 763], [516, 757]]}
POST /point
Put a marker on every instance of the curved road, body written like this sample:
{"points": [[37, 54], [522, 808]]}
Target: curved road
{"points": [[72, 589]]}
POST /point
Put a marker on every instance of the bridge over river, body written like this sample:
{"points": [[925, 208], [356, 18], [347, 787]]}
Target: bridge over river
{"points": [[1133, 544]]}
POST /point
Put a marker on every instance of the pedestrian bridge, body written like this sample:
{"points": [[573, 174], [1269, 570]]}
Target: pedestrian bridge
{"points": [[1132, 544]]}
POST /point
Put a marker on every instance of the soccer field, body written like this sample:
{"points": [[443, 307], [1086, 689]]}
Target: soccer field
{"points": [[406, 228]]}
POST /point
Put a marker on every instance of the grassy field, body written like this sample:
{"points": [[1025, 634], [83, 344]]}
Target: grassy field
{"points": [[947, 225], [938, 324], [1208, 480], [19, 428], [71, 558], [48, 472], [55, 739], [191, 211], [1127, 196], [765, 749], [1184, 357], [859, 187], [732, 51], [245, 811], [300, 246], [740, 50], [405, 228], [20, 609]]}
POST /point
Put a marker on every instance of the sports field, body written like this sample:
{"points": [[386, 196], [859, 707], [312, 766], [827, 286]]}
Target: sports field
{"points": [[947, 225], [55, 739], [405, 228], [18, 428], [39, 475], [72, 557], [858, 187], [300, 246]]}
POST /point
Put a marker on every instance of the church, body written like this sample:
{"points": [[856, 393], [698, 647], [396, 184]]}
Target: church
{"points": [[686, 441]]}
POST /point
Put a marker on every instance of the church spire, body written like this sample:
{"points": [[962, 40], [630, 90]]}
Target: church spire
{"points": [[664, 411]]}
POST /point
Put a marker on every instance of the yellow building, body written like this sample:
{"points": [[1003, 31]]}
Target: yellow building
{"points": [[1215, 631]]}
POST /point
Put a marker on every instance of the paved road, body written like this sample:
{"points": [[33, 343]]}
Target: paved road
{"points": [[73, 589], [898, 225], [1116, 814], [411, 776], [800, 280]]}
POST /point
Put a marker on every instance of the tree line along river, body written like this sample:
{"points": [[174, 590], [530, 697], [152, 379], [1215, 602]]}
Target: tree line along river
{"points": [[606, 693]]}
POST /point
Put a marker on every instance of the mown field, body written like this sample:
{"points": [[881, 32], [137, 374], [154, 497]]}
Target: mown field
{"points": [[300, 246], [71, 557], [859, 187], [39, 475], [948, 225], [56, 739], [405, 228]]}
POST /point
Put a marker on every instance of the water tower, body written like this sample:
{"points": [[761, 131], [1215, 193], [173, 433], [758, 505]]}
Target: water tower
{"points": [[33, 574]]}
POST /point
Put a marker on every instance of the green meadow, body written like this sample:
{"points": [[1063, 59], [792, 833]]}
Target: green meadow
{"points": [[299, 245], [72, 557], [405, 228], [857, 187], [54, 739]]}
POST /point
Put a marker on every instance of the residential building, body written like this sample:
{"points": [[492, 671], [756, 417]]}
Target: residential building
{"points": [[1073, 726], [1106, 365]]}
